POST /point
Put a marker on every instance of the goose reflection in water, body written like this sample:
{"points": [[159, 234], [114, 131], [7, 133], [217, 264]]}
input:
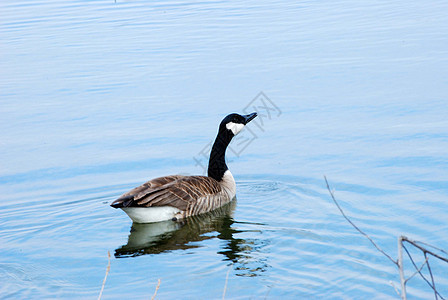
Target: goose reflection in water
{"points": [[160, 237]]}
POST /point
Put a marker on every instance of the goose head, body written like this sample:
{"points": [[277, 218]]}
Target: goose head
{"points": [[230, 126], [234, 123]]}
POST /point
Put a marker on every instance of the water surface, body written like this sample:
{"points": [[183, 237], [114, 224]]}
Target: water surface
{"points": [[98, 97]]}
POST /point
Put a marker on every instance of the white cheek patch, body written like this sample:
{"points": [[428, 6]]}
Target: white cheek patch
{"points": [[235, 127]]}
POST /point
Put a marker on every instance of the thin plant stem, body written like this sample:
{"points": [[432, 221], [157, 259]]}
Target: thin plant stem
{"points": [[401, 246], [421, 274], [356, 227], [105, 277], [225, 284], [401, 269], [432, 277], [155, 292]]}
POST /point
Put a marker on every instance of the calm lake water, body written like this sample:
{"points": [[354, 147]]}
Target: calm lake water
{"points": [[97, 97]]}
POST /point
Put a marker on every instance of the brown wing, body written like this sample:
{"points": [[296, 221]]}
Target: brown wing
{"points": [[178, 191]]}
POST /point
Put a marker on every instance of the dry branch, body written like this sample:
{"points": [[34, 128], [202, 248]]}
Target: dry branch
{"points": [[399, 261], [432, 286], [356, 227], [418, 270], [424, 250]]}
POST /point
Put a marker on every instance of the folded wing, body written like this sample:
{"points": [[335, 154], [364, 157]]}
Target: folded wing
{"points": [[182, 192]]}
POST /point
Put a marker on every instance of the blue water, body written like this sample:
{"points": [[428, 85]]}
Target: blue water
{"points": [[97, 97]]}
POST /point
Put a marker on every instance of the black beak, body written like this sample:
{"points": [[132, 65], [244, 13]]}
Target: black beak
{"points": [[249, 117]]}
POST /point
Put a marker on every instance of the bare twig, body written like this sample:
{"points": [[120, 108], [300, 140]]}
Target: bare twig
{"points": [[395, 288], [429, 245], [356, 227], [400, 268], [432, 278], [105, 277], [418, 270], [157, 288], [424, 250], [399, 261], [225, 284], [421, 274]]}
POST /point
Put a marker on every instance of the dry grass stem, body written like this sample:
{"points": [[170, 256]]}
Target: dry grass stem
{"points": [[105, 277], [225, 284], [395, 288], [155, 292]]}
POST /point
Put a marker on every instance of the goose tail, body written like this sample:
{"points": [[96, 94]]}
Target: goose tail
{"points": [[123, 202]]}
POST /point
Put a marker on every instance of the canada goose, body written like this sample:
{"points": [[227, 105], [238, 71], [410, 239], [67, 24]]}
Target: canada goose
{"points": [[177, 196]]}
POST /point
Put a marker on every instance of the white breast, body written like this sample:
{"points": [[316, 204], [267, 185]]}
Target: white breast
{"points": [[151, 214], [228, 184]]}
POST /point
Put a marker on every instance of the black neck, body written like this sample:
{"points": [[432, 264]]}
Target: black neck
{"points": [[217, 163]]}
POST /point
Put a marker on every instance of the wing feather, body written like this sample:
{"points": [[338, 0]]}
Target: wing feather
{"points": [[191, 194]]}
